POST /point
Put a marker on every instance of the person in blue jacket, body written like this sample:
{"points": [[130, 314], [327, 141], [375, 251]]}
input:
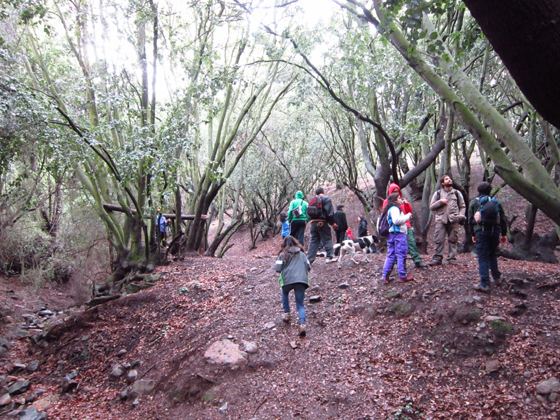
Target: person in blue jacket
{"points": [[285, 224]]}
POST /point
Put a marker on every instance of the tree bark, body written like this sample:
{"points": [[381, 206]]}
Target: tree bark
{"points": [[526, 36]]}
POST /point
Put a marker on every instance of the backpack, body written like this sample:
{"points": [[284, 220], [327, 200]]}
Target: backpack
{"points": [[384, 225], [315, 208], [297, 212], [488, 213]]}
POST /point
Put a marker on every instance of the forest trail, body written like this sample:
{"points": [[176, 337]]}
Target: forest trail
{"points": [[433, 347]]}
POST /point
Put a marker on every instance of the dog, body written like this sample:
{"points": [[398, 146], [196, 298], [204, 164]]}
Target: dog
{"points": [[351, 246]]}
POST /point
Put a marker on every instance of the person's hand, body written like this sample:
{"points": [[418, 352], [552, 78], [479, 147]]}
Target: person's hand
{"points": [[335, 226], [168, 220], [444, 201], [404, 200], [503, 240], [474, 239]]}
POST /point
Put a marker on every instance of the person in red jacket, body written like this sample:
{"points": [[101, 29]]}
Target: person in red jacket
{"points": [[407, 208]]}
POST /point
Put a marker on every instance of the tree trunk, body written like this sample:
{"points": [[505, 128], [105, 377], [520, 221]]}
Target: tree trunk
{"points": [[526, 36]]}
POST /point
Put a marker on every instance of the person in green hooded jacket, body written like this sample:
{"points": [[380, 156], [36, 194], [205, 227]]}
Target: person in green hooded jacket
{"points": [[298, 223]]}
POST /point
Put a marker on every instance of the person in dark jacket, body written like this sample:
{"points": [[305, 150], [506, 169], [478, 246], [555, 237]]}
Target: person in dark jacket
{"points": [[298, 223], [486, 235], [362, 227], [293, 266], [319, 229], [340, 220]]}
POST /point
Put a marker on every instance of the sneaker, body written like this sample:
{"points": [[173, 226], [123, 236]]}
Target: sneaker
{"points": [[420, 264], [408, 278], [482, 288], [286, 317], [385, 281], [498, 281], [434, 263], [330, 260], [302, 332]]}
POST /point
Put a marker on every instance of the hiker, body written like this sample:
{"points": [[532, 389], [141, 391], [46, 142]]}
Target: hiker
{"points": [[449, 207], [293, 266], [340, 220], [285, 224], [161, 225], [487, 221], [397, 247], [362, 227], [296, 217], [320, 215], [407, 209]]}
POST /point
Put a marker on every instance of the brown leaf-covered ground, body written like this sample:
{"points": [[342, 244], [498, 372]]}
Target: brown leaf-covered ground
{"points": [[372, 351]]}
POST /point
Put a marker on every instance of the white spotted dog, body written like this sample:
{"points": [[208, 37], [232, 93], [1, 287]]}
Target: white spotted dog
{"points": [[351, 246]]}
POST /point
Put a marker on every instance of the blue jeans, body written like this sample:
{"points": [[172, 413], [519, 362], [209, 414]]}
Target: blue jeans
{"points": [[299, 291], [320, 234], [487, 242]]}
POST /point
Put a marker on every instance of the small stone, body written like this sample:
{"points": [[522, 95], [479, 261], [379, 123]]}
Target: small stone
{"points": [[124, 394], [33, 366], [132, 376], [19, 387], [343, 286], [121, 353], [553, 396], [293, 344], [20, 400], [46, 312], [431, 352], [545, 387], [18, 366], [542, 399], [315, 299], [230, 337], [136, 402], [142, 386], [5, 400], [116, 372], [68, 384], [31, 413], [477, 298], [491, 318], [492, 365], [249, 346], [269, 325], [527, 374], [223, 408]]}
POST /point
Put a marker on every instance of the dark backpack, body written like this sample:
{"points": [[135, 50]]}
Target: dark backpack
{"points": [[315, 208], [488, 213], [384, 225]]}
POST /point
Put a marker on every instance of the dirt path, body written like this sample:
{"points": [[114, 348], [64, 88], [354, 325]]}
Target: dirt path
{"points": [[372, 351]]}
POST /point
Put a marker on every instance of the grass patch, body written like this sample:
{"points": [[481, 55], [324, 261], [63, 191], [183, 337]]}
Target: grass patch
{"points": [[501, 326]]}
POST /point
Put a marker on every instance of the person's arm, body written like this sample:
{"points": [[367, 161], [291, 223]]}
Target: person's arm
{"points": [[435, 203], [472, 222], [398, 217]]}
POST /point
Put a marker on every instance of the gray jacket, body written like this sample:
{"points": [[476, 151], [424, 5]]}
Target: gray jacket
{"points": [[452, 212], [294, 270]]}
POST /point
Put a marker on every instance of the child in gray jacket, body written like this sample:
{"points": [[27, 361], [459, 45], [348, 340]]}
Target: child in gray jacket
{"points": [[293, 266]]}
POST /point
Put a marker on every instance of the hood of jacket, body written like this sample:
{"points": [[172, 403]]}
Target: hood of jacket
{"points": [[299, 195], [394, 187]]}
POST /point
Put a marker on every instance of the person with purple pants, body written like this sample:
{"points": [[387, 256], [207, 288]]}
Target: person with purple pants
{"points": [[397, 245]]}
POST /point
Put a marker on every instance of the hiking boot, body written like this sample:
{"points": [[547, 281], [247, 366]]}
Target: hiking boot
{"points": [[408, 278], [420, 264], [498, 281], [330, 260], [434, 263], [302, 331], [286, 317], [482, 288]]}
